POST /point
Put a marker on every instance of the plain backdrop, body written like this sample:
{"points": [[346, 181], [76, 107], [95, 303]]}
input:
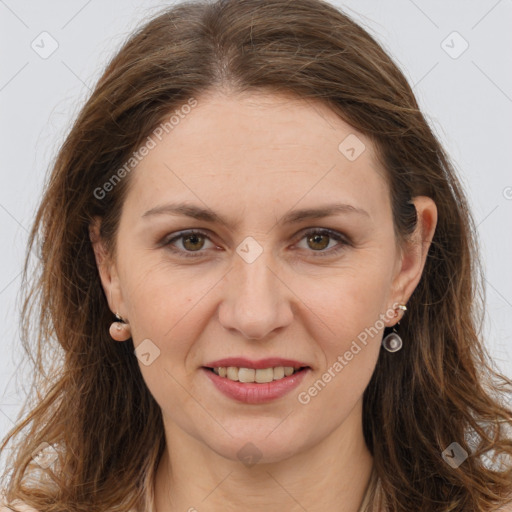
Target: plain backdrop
{"points": [[455, 54]]}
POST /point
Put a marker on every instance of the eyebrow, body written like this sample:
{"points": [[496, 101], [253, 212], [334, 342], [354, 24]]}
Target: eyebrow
{"points": [[295, 216]]}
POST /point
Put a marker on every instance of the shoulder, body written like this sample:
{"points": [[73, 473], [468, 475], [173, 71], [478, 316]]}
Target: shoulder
{"points": [[17, 506], [506, 508]]}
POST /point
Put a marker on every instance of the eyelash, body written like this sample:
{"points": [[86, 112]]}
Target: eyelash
{"points": [[317, 231]]}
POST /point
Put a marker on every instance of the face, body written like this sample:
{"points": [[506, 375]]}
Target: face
{"points": [[262, 282]]}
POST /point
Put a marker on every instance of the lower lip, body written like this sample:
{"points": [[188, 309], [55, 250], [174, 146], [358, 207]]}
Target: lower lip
{"points": [[255, 393]]}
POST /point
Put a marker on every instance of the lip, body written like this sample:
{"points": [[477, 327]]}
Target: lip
{"points": [[242, 362], [255, 393]]}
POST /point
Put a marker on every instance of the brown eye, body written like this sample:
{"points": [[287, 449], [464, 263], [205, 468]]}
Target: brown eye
{"points": [[321, 242], [318, 241], [193, 242]]}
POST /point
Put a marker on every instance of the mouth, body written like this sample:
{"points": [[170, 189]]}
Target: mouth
{"points": [[255, 376], [256, 386]]}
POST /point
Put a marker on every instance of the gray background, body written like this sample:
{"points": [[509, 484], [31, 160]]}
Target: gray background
{"points": [[466, 96]]}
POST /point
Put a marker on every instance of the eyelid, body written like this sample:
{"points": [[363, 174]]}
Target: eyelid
{"points": [[342, 239], [333, 234], [167, 241]]}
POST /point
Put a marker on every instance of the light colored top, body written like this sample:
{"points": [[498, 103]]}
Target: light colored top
{"points": [[19, 505], [372, 491], [23, 508]]}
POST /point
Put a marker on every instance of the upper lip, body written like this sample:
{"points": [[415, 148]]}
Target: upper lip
{"points": [[242, 362]]}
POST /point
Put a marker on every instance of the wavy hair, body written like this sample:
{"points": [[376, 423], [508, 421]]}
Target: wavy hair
{"points": [[89, 400]]}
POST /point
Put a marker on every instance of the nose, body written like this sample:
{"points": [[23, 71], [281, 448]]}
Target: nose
{"points": [[257, 300]]}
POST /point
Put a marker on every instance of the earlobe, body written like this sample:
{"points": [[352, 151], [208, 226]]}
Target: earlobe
{"points": [[119, 330], [414, 252]]}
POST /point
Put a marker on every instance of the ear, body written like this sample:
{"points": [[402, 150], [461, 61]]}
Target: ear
{"points": [[414, 252], [106, 267]]}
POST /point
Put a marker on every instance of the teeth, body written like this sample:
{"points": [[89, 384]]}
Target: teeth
{"points": [[278, 372], [246, 374], [251, 375], [232, 373], [264, 375]]}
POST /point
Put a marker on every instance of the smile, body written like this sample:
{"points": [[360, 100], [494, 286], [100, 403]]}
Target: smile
{"points": [[250, 391], [260, 375]]}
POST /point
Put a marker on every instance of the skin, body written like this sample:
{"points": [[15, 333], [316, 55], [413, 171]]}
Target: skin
{"points": [[252, 158]]}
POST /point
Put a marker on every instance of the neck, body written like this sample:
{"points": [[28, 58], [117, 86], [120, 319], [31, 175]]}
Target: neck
{"points": [[331, 474]]}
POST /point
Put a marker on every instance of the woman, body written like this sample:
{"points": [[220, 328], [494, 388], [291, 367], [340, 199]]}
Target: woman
{"points": [[260, 270]]}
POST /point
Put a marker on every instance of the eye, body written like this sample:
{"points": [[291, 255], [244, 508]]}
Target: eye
{"points": [[191, 241], [318, 239]]}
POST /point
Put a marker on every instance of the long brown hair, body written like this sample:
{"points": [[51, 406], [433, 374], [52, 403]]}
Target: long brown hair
{"points": [[90, 402]]}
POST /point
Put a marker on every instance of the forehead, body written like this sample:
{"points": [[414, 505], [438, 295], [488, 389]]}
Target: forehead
{"points": [[259, 149]]}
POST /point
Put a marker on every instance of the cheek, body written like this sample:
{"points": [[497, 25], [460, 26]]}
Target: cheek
{"points": [[346, 304], [165, 307], [157, 294], [347, 327], [165, 302]]}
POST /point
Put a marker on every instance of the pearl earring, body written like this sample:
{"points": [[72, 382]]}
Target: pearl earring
{"points": [[120, 330]]}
